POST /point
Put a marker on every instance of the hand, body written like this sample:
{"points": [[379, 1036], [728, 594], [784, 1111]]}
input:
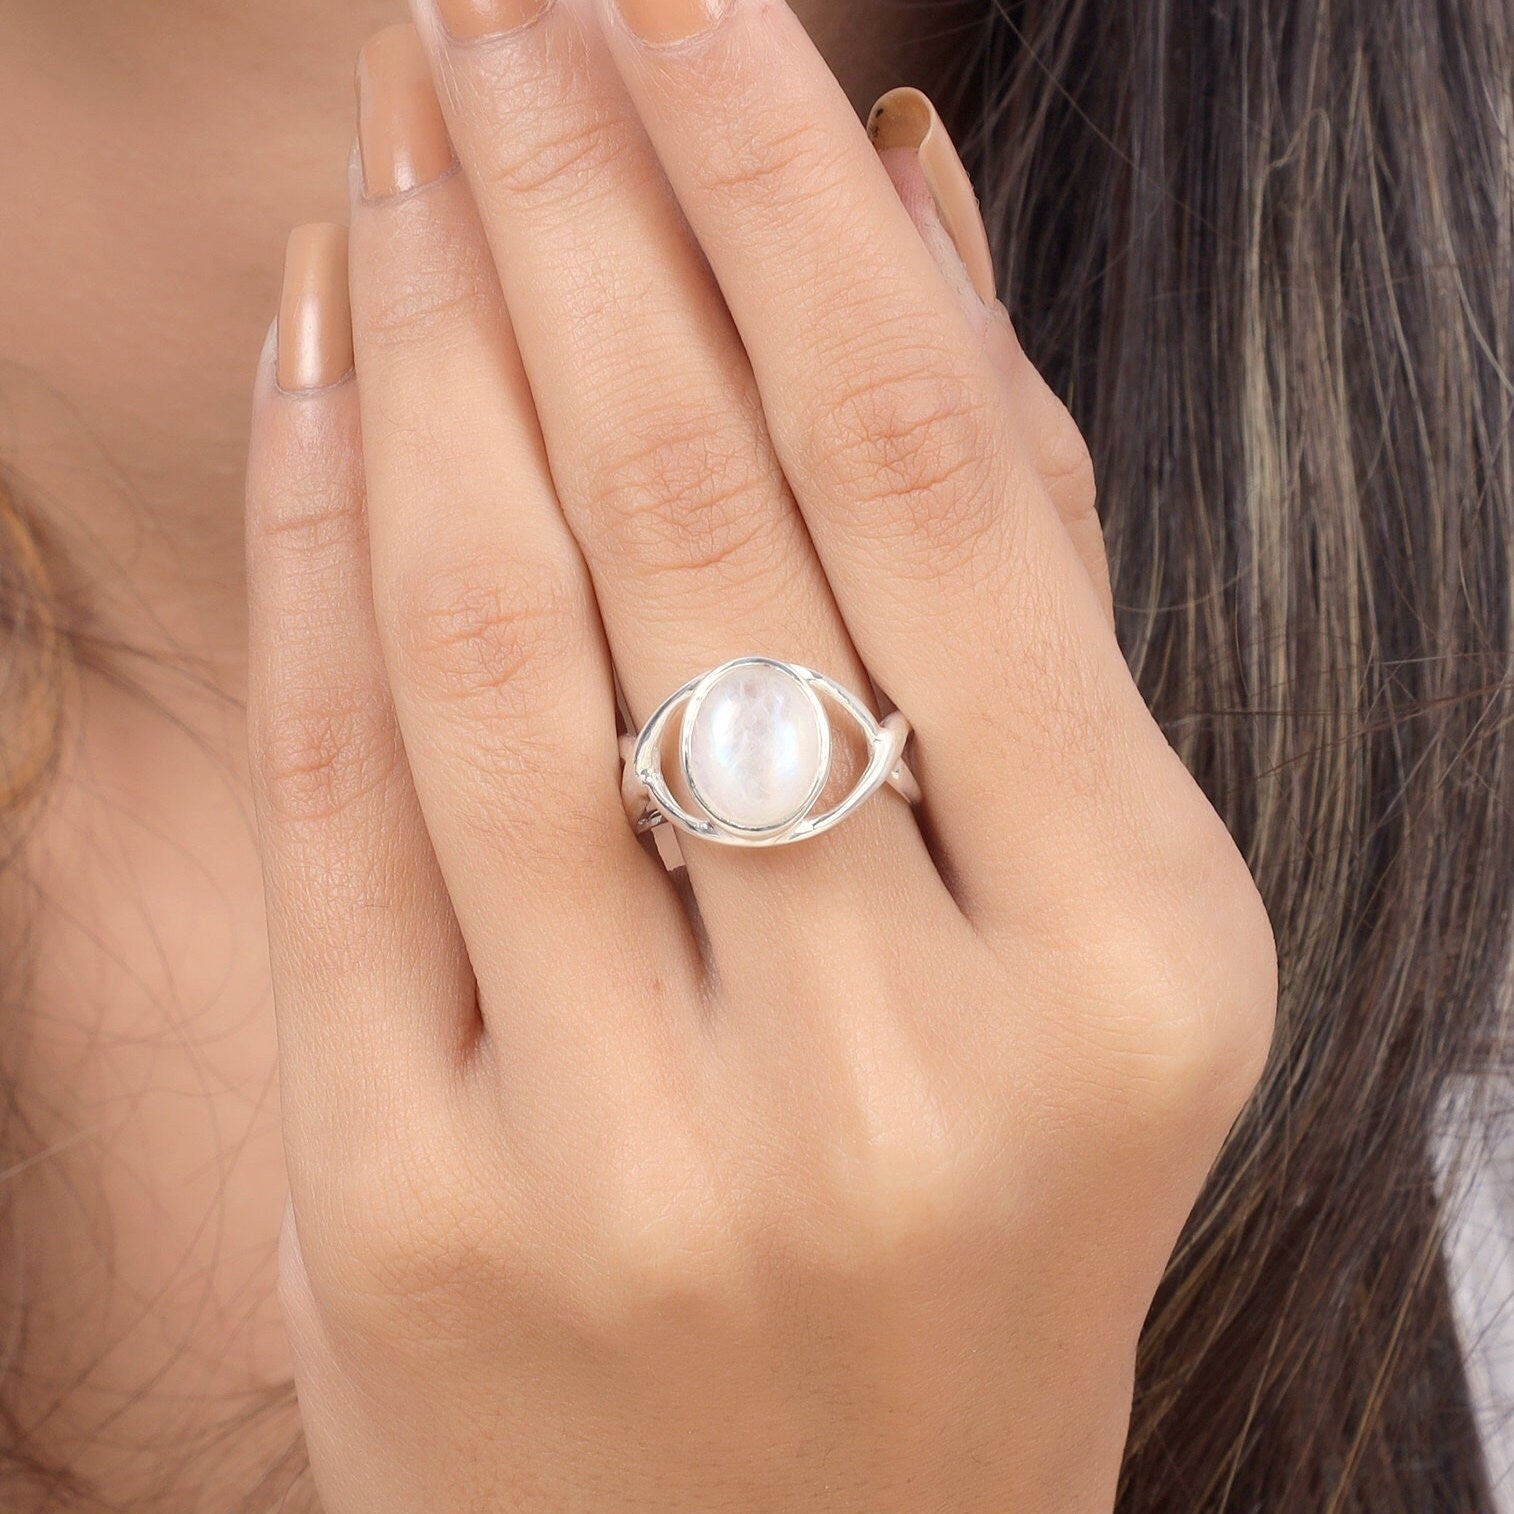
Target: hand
{"points": [[852, 1197]]}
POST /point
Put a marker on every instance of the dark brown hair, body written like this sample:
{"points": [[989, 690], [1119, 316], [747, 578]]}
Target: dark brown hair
{"points": [[1265, 249]]}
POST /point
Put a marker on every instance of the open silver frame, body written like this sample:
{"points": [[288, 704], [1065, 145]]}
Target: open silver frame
{"points": [[884, 739]]}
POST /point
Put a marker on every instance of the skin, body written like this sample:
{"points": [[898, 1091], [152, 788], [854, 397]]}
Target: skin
{"points": [[1001, 1037]]}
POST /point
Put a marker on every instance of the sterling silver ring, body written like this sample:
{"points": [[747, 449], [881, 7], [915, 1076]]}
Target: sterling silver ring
{"points": [[754, 755]]}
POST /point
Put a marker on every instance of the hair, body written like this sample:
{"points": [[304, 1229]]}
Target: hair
{"points": [[1263, 248], [31, 655]]}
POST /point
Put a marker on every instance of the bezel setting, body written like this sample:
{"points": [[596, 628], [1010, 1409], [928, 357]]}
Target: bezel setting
{"points": [[645, 773], [697, 696]]}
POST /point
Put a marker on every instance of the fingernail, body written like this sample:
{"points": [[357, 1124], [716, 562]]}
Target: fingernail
{"points": [[472, 20], [401, 134], [906, 118], [315, 317], [663, 21]]}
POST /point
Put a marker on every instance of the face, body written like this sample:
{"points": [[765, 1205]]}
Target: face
{"points": [[167, 160], [861, 38]]}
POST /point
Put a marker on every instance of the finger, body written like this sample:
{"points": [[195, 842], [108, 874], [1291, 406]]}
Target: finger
{"points": [[372, 987], [936, 191], [499, 667], [959, 584], [656, 438], [1057, 451]]}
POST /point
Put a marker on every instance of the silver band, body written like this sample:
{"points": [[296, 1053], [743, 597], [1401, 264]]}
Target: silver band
{"points": [[754, 755]]}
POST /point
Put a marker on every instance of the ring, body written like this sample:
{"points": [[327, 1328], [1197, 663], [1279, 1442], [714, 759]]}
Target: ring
{"points": [[754, 754]]}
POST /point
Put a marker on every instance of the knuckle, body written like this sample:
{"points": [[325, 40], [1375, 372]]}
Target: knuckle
{"points": [[426, 1267], [914, 1169], [914, 1197], [1198, 999], [413, 1245], [1247, 1001], [312, 519], [573, 155], [905, 1177], [1067, 467], [696, 1250], [907, 1205], [317, 509], [687, 498], [425, 298], [497, 631], [783, 171], [318, 751], [1202, 1065], [669, 1252], [906, 453], [675, 1267]]}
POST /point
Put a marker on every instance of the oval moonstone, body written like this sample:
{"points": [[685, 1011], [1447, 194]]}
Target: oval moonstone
{"points": [[756, 747]]}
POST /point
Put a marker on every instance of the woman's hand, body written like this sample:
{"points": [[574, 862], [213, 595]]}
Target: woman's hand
{"points": [[854, 1196]]}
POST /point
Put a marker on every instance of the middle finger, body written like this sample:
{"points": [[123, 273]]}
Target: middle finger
{"points": [[655, 429]]}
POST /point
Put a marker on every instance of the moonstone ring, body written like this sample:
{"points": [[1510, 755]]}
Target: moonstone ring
{"points": [[754, 754]]}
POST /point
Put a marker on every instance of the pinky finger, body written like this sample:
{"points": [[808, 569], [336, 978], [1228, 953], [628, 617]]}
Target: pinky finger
{"points": [[373, 992], [938, 194]]}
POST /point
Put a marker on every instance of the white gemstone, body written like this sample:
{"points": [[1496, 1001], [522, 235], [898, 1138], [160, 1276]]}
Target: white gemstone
{"points": [[756, 747]]}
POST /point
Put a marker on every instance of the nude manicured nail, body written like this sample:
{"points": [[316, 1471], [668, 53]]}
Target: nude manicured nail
{"points": [[906, 118], [470, 20], [315, 317], [401, 134], [664, 21]]}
